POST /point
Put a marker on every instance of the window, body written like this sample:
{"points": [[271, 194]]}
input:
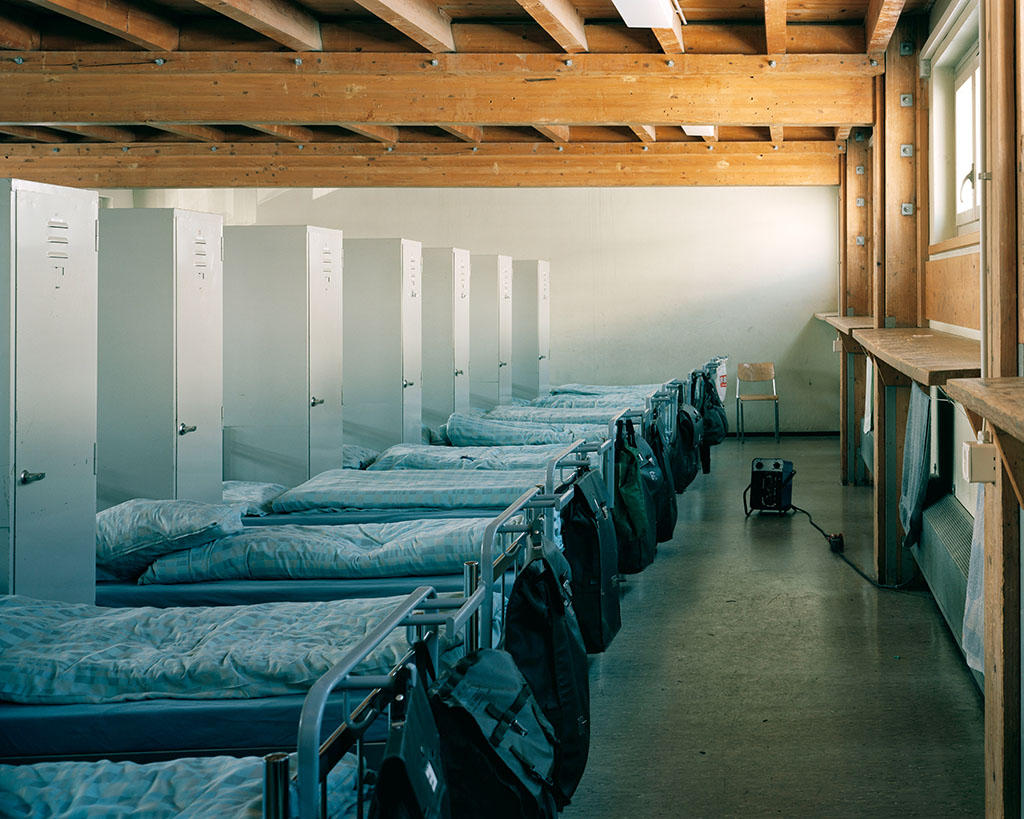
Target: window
{"points": [[967, 140]]}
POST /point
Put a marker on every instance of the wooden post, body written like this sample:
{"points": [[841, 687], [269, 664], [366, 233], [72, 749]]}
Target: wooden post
{"points": [[1002, 518]]}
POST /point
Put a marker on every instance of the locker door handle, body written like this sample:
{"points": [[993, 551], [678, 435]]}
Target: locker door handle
{"points": [[316, 402], [502, 364], [541, 357], [407, 383], [184, 429], [460, 372], [30, 477]]}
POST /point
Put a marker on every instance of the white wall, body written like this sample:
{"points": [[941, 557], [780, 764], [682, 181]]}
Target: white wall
{"points": [[645, 282]]}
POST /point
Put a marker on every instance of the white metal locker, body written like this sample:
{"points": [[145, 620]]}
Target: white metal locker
{"points": [[48, 304], [282, 352], [382, 347], [531, 337], [490, 341], [445, 333], [160, 355]]}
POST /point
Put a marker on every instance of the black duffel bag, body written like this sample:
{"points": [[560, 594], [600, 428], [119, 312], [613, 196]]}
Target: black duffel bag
{"points": [[686, 447], [592, 549], [659, 481], [543, 637], [633, 513]]}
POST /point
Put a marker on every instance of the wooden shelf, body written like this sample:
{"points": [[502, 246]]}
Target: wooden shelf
{"points": [[825, 316], [929, 357], [1000, 400], [847, 324]]}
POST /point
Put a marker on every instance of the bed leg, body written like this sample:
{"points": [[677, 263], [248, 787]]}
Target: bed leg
{"points": [[275, 786], [471, 580]]}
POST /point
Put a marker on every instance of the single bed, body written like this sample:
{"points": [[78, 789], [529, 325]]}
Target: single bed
{"points": [[85, 681]]}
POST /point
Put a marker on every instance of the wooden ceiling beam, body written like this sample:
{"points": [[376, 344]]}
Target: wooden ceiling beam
{"points": [[378, 133], [17, 34], [202, 133], [126, 20], [31, 133], [104, 133], [555, 133], [671, 39], [712, 137], [420, 20], [645, 133], [467, 133], [286, 133], [775, 26], [775, 131], [536, 89], [880, 22], [277, 20], [561, 20], [422, 165], [843, 133]]}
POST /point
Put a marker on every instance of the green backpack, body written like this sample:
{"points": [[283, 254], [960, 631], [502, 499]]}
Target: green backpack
{"points": [[634, 512]]}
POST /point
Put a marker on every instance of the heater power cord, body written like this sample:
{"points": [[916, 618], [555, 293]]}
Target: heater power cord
{"points": [[836, 546]]}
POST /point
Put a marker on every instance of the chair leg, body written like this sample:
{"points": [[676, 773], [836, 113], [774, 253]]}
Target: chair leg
{"points": [[742, 430], [776, 420]]}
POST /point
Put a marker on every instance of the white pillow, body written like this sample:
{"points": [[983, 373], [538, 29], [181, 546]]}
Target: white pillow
{"points": [[253, 497], [133, 534]]}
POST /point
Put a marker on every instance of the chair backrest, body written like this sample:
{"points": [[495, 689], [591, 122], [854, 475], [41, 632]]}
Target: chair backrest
{"points": [[762, 371]]}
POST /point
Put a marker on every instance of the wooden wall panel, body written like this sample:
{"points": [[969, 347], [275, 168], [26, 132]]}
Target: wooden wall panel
{"points": [[951, 290], [902, 260], [858, 224]]}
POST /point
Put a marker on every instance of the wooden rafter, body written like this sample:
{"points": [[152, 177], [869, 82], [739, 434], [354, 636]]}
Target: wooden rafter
{"points": [[120, 18], [30, 133], [467, 133], [671, 39], [333, 164], [556, 133], [420, 20], [776, 133], [536, 89], [843, 133], [17, 34], [561, 20], [104, 133], [278, 20], [378, 133], [286, 133], [880, 22], [775, 26], [202, 133], [645, 133], [712, 137]]}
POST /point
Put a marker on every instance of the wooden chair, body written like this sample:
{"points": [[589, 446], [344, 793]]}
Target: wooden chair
{"points": [[751, 374]]}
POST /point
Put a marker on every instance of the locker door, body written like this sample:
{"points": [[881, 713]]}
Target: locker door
{"points": [[412, 339], [460, 330], [199, 341], [543, 327], [504, 329], [325, 339], [55, 396]]}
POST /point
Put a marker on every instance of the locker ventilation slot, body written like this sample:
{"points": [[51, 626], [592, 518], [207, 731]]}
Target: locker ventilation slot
{"points": [[57, 240], [327, 265], [199, 257]]}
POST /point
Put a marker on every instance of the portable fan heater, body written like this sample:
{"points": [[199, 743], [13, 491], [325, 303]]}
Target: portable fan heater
{"points": [[771, 486]]}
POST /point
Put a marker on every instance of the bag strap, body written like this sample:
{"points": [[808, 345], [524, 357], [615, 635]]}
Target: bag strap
{"points": [[507, 719], [424, 662]]}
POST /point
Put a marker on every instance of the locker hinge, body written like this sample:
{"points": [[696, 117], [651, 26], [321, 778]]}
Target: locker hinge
{"points": [[222, 248], [96, 235]]}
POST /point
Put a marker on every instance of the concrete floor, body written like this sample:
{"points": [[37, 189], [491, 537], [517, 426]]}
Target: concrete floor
{"points": [[757, 675]]}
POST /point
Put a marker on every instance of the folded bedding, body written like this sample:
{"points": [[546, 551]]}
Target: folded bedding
{"points": [[53, 652], [464, 430], [420, 456], [555, 415], [292, 552], [571, 400], [218, 786], [253, 497], [603, 389], [343, 489]]}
